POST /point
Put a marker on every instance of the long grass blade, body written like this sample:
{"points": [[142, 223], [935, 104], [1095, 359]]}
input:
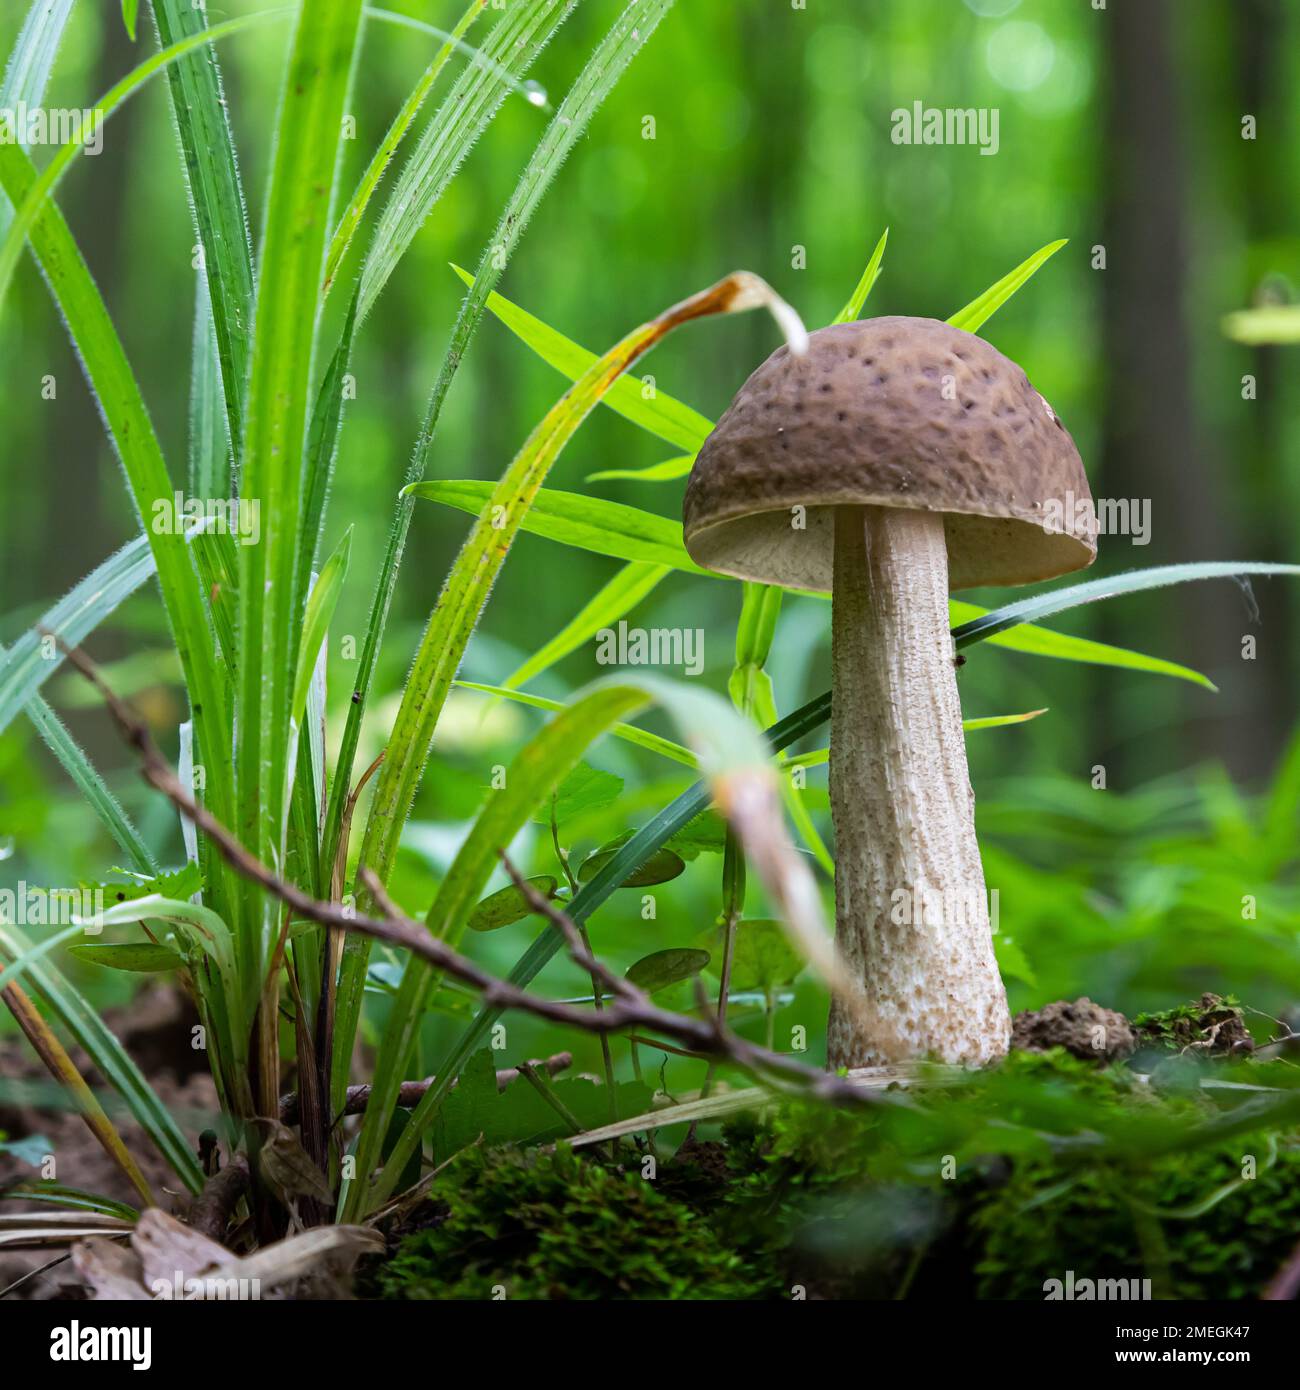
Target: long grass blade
{"points": [[659, 413], [509, 51], [853, 308], [216, 196], [981, 309], [615, 600], [360, 200], [293, 250]]}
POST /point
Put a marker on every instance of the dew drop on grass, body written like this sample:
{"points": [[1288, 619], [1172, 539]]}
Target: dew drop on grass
{"points": [[6, 847], [535, 92]]}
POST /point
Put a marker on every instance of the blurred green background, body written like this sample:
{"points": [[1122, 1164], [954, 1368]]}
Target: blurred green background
{"points": [[1120, 128]]}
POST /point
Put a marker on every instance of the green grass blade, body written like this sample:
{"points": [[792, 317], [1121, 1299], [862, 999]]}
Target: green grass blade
{"points": [[292, 257], [30, 65], [320, 611], [667, 471], [726, 744], [617, 598], [974, 315], [1094, 590], [322, 450], [653, 743], [598, 77], [33, 659], [587, 523], [130, 10], [36, 195], [660, 414], [84, 1024], [511, 47], [210, 474], [1042, 641], [216, 196], [504, 510], [853, 308], [91, 784], [365, 189]]}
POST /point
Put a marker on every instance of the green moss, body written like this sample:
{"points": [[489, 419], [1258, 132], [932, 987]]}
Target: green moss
{"points": [[541, 1225]]}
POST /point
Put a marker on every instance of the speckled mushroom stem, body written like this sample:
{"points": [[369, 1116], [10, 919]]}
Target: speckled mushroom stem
{"points": [[911, 910]]}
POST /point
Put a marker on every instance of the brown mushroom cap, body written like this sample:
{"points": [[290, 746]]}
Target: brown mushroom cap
{"points": [[890, 412]]}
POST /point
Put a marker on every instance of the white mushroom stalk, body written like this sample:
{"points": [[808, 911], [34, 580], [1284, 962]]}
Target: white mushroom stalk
{"points": [[894, 460], [911, 910]]}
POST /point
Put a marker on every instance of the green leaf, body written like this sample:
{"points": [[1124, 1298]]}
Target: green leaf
{"points": [[763, 957], [509, 51], [402, 122], [142, 956], [979, 310], [628, 587], [664, 472], [508, 904], [586, 523], [662, 969], [1012, 961], [130, 8], [662, 867], [321, 604], [584, 789], [658, 413], [518, 1114], [853, 309]]}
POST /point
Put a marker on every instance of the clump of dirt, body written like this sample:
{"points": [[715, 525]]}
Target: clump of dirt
{"points": [[1211, 1026], [1081, 1027]]}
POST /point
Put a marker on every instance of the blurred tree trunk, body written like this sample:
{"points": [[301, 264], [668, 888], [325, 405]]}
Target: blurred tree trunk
{"points": [[1259, 30], [1154, 446]]}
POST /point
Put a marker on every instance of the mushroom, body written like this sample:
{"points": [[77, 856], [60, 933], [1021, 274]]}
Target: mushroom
{"points": [[894, 461]]}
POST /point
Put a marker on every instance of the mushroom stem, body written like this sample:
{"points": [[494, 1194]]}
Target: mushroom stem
{"points": [[911, 911]]}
